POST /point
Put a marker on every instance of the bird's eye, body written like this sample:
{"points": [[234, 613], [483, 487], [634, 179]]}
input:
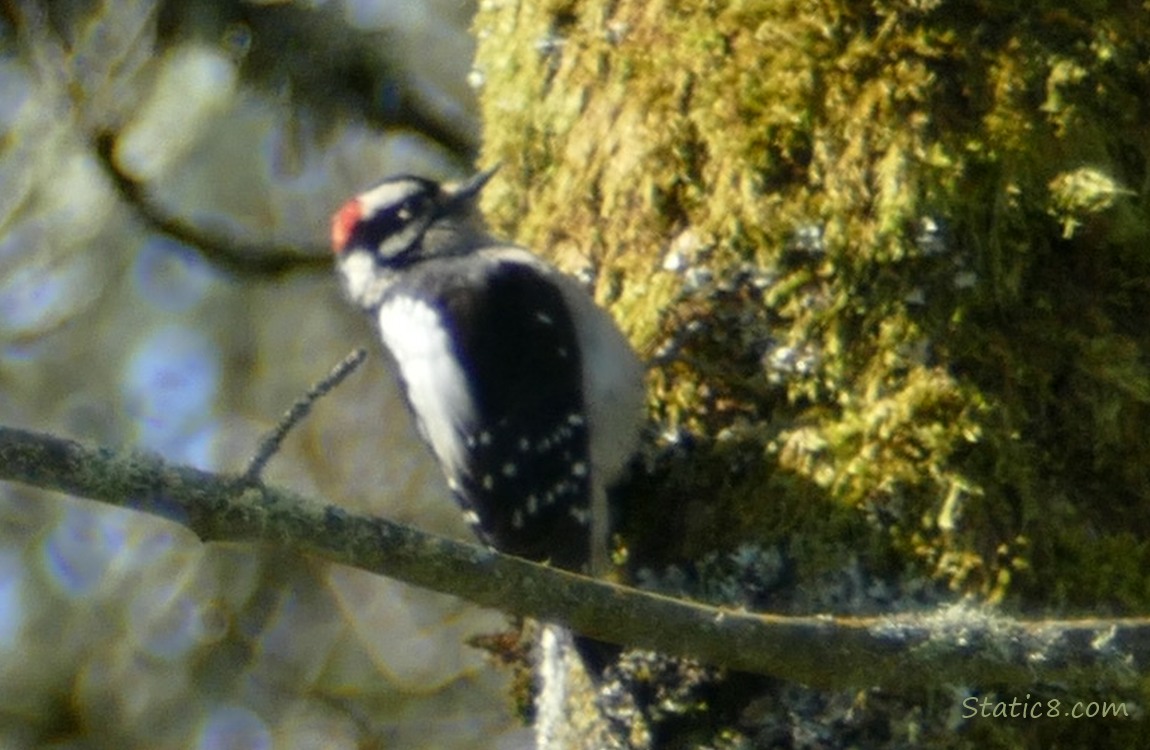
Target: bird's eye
{"points": [[411, 208]]}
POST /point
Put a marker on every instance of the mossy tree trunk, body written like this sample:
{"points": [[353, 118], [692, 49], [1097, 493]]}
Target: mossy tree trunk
{"points": [[898, 251]]}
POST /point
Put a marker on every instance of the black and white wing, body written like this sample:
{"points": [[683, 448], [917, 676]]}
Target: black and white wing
{"points": [[490, 363]]}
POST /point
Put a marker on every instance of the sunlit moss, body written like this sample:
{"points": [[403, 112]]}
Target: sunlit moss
{"points": [[959, 395], [1080, 193]]}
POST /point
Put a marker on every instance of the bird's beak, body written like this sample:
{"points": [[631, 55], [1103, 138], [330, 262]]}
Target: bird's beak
{"points": [[468, 190]]}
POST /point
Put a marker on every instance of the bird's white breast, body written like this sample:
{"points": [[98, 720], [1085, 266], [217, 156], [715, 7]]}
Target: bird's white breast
{"points": [[436, 386]]}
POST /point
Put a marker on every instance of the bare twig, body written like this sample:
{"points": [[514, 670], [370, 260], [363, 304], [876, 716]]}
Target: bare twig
{"points": [[270, 444]]}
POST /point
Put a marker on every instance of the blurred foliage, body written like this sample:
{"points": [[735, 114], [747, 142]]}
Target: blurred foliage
{"points": [[898, 250], [306, 54], [309, 54], [129, 132]]}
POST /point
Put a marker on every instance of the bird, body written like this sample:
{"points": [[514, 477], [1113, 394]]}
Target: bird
{"points": [[527, 393]]}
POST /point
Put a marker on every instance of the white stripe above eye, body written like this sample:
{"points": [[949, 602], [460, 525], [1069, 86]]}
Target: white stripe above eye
{"points": [[390, 193]]}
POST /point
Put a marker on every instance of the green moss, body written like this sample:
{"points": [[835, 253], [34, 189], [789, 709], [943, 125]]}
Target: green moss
{"points": [[953, 403]]}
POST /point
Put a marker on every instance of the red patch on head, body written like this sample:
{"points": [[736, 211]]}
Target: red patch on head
{"points": [[343, 223]]}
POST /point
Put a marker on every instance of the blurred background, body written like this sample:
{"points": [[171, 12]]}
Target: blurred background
{"points": [[167, 173]]}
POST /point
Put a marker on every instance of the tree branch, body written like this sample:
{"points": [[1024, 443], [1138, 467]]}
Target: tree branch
{"points": [[232, 254], [958, 644]]}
